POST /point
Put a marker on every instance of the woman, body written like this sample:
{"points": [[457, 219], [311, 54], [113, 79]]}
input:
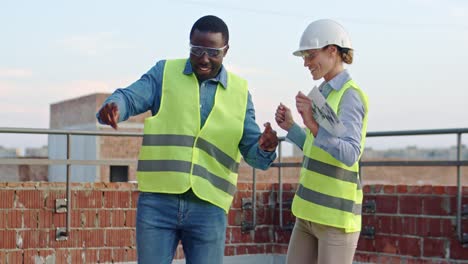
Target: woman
{"points": [[327, 204]]}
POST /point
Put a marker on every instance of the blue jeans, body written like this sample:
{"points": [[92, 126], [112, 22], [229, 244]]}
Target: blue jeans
{"points": [[165, 219]]}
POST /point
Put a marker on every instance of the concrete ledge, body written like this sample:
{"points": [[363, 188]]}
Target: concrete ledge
{"points": [[249, 259], [242, 259]]}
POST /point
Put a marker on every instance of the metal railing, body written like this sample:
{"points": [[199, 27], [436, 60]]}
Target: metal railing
{"points": [[462, 237], [461, 210], [63, 233], [68, 162]]}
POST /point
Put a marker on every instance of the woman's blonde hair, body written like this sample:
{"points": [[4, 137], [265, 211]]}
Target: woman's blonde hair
{"points": [[346, 55]]}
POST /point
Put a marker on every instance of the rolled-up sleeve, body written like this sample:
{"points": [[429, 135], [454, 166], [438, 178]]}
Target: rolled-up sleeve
{"points": [[297, 136], [248, 146], [140, 96]]}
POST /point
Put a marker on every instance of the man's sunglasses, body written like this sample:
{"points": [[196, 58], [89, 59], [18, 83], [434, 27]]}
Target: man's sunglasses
{"points": [[211, 52]]}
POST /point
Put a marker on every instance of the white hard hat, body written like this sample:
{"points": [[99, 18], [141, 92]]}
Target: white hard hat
{"points": [[321, 33]]}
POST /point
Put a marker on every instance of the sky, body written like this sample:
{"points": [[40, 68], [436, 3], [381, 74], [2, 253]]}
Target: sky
{"points": [[410, 56]]}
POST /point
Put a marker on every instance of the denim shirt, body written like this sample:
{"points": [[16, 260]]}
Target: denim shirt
{"points": [[351, 113], [145, 94]]}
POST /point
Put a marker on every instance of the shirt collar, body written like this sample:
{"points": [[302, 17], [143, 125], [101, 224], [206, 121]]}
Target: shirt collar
{"points": [[339, 80], [221, 77]]}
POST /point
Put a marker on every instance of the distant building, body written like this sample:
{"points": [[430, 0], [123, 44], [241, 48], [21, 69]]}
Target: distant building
{"points": [[80, 114], [8, 152], [414, 153], [23, 172], [36, 152]]}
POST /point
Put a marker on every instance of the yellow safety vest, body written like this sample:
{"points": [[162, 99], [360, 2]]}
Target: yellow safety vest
{"points": [[177, 154], [330, 192]]}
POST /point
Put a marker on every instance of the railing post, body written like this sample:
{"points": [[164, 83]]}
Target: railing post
{"points": [[280, 186], [254, 199], [461, 236], [68, 184], [64, 233], [251, 204]]}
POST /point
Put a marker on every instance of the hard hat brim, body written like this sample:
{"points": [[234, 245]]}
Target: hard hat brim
{"points": [[297, 53]]}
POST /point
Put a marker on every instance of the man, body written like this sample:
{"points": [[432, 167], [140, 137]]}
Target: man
{"points": [[203, 119]]}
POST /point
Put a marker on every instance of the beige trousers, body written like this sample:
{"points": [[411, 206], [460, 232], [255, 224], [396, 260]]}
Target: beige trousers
{"points": [[312, 243]]}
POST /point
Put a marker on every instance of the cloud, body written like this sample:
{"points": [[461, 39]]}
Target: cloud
{"points": [[91, 44], [10, 89], [430, 3], [85, 86], [26, 103], [72, 89], [15, 108], [242, 70], [454, 8], [458, 12], [41, 94], [10, 73]]}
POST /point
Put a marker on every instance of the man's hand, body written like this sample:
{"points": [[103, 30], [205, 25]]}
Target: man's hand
{"points": [[268, 140], [109, 115], [283, 117], [304, 107]]}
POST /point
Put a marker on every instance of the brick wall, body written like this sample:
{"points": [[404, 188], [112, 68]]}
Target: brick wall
{"points": [[413, 224], [102, 223]]}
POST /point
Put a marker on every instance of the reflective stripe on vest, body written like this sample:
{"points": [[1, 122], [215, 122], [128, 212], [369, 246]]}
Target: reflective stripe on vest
{"points": [[188, 141], [177, 154], [329, 201], [332, 171], [184, 166], [330, 192]]}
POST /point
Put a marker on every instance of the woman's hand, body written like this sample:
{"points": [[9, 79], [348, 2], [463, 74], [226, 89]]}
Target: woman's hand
{"points": [[283, 117], [304, 107]]}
